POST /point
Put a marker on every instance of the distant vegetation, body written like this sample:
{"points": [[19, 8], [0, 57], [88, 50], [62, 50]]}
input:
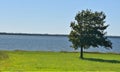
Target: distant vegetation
{"points": [[31, 34]]}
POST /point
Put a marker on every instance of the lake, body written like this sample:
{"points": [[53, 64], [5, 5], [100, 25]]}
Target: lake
{"points": [[48, 43]]}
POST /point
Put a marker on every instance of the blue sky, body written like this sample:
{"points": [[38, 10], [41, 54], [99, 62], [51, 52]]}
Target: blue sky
{"points": [[53, 16]]}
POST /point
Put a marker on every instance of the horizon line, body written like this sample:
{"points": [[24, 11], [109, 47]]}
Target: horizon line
{"points": [[41, 34]]}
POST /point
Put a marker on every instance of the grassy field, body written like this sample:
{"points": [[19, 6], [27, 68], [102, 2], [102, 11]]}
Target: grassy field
{"points": [[58, 61]]}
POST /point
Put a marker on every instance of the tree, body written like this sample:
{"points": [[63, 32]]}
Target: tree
{"points": [[89, 31]]}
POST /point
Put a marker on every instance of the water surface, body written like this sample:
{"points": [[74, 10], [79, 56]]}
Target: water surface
{"points": [[47, 43]]}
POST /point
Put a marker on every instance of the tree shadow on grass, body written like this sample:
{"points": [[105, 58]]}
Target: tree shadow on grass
{"points": [[102, 60]]}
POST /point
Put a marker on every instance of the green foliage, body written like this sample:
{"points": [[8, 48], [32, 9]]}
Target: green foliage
{"points": [[88, 30], [22, 61]]}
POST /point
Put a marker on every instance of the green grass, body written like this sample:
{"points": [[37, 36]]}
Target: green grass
{"points": [[58, 61]]}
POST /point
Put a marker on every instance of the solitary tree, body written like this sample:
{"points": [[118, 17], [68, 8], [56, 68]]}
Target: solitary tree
{"points": [[88, 31]]}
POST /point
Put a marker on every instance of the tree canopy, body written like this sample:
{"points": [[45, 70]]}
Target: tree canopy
{"points": [[89, 30]]}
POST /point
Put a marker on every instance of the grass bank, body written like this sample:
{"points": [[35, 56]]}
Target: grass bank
{"points": [[58, 61]]}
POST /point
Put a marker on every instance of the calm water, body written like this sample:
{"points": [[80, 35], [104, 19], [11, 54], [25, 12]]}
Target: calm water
{"points": [[47, 43]]}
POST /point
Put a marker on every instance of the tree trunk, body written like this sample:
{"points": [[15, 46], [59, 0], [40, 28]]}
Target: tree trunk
{"points": [[81, 53]]}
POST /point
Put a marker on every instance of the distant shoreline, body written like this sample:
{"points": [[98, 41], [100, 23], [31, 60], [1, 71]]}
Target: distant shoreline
{"points": [[31, 34]]}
